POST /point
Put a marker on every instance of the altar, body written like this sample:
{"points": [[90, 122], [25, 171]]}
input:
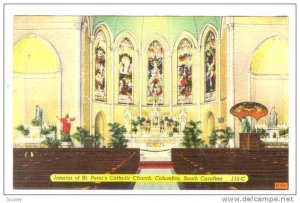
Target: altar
{"points": [[155, 135]]}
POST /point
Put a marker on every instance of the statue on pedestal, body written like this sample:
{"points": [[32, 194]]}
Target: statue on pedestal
{"points": [[272, 118], [127, 118], [38, 115], [182, 120]]}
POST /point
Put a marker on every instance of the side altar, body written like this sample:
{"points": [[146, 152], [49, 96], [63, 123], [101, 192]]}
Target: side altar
{"points": [[155, 135]]}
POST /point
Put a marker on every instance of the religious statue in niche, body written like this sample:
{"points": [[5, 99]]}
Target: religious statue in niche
{"points": [[210, 67], [100, 67], [155, 73], [125, 72], [185, 72]]}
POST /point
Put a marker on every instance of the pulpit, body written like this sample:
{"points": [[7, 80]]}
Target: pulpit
{"points": [[250, 141]]}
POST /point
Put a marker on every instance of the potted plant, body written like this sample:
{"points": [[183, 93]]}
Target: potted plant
{"points": [[118, 139], [213, 138], [284, 133], [263, 133], [192, 134], [97, 139], [135, 123], [226, 135], [86, 140], [51, 142], [66, 141], [23, 130]]}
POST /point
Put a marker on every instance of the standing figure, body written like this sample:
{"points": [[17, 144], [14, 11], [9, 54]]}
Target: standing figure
{"points": [[66, 124], [272, 118], [245, 125], [38, 115]]}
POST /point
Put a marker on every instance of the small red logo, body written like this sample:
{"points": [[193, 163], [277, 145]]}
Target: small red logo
{"points": [[281, 186]]}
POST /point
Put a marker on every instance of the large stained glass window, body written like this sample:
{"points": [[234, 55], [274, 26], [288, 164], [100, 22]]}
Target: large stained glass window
{"points": [[125, 72], [155, 84], [100, 46], [210, 67], [185, 63]]}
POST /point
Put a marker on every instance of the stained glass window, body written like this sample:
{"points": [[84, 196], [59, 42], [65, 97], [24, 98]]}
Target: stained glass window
{"points": [[185, 63], [210, 67], [100, 46], [125, 72], [155, 84]]}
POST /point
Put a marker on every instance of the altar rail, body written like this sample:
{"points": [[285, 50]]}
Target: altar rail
{"points": [[264, 167], [32, 167]]}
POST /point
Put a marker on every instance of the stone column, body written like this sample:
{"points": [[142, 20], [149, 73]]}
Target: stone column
{"points": [[112, 112], [92, 38], [170, 54], [198, 50], [230, 77], [218, 79], [140, 53]]}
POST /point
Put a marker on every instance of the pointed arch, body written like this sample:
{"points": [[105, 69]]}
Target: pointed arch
{"points": [[155, 73], [209, 47], [185, 35], [184, 47], [130, 36], [125, 71], [101, 125], [101, 53], [210, 125], [158, 37], [105, 28]]}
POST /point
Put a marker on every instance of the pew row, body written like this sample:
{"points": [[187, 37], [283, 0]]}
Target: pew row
{"points": [[32, 167], [264, 167]]}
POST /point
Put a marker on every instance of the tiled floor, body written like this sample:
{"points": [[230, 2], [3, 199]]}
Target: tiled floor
{"points": [[156, 186]]}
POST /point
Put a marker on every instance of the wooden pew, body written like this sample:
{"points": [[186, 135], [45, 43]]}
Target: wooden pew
{"points": [[33, 166], [263, 166]]}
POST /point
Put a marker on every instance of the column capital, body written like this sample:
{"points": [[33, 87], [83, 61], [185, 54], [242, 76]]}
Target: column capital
{"points": [[78, 25], [139, 51], [112, 48], [170, 52], [218, 39], [229, 27], [92, 38]]}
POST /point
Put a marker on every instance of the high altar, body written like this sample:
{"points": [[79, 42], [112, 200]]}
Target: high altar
{"points": [[155, 135]]}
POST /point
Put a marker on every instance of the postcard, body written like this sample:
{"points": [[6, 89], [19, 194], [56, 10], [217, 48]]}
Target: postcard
{"points": [[104, 100]]}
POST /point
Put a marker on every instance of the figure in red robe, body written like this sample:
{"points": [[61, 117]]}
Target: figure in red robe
{"points": [[66, 124]]}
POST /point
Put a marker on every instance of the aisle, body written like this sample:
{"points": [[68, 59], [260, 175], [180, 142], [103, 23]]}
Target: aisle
{"points": [[156, 169]]}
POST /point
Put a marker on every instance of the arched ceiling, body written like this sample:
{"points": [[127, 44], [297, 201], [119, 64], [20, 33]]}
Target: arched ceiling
{"points": [[170, 27], [34, 55], [271, 57]]}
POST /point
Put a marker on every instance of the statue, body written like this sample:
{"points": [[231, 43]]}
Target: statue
{"points": [[182, 120], [272, 118], [66, 124], [154, 116], [38, 115], [245, 125], [127, 118]]}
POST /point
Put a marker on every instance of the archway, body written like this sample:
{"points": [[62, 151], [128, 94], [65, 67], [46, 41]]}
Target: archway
{"points": [[210, 126], [37, 80], [269, 69], [100, 126]]}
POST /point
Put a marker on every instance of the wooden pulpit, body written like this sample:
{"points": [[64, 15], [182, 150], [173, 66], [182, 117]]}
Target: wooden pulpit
{"points": [[250, 141]]}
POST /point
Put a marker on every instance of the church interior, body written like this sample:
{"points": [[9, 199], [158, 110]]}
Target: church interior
{"points": [[156, 79]]}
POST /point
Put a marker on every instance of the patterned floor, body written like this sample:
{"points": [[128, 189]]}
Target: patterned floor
{"points": [[156, 186]]}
